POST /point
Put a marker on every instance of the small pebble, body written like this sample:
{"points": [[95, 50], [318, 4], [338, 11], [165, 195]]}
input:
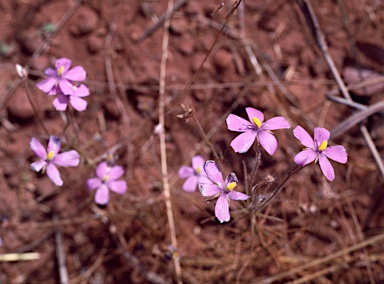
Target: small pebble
{"points": [[85, 21]]}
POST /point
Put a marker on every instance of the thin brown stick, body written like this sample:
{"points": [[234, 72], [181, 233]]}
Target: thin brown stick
{"points": [[163, 151], [356, 118], [228, 17], [206, 139], [161, 21], [39, 119], [276, 190], [60, 254], [109, 72]]}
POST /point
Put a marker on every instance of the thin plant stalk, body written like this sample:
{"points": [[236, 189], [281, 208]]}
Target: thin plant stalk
{"points": [[39, 119]]}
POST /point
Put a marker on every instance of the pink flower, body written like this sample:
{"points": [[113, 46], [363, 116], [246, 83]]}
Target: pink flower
{"points": [[222, 189], [79, 104], [253, 129], [51, 158], [193, 174], [107, 179], [318, 150], [60, 81]]}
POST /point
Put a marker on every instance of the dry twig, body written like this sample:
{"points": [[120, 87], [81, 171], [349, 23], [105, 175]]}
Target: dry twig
{"points": [[163, 151]]}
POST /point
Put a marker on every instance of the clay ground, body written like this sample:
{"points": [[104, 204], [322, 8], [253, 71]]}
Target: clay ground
{"points": [[313, 231]]}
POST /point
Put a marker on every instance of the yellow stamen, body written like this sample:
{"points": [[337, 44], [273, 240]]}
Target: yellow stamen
{"points": [[60, 71], [50, 155], [256, 121], [105, 178], [198, 170], [323, 145], [231, 185]]}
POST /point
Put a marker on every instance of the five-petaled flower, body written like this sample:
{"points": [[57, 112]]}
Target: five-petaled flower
{"points": [[60, 81], [107, 179], [79, 104], [255, 128], [194, 174], [51, 158], [220, 188], [318, 150]]}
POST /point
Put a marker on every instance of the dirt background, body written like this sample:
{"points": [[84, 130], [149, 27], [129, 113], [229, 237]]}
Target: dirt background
{"points": [[313, 231]]}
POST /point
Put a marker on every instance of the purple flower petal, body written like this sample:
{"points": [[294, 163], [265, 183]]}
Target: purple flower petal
{"points": [[118, 186], [67, 159], [101, 170], [38, 165], [93, 183], [209, 189], [38, 148], [252, 112], [222, 209], [78, 103], [268, 141], [75, 74], [320, 135], [304, 137], [61, 102], [54, 144], [243, 142], [50, 72], [305, 157], [235, 195], [236, 123], [54, 174], [326, 167], [102, 195], [275, 123], [81, 91], [55, 91], [213, 172], [66, 87], [185, 172], [198, 162], [336, 153], [203, 178], [190, 184], [47, 84], [65, 62], [115, 173]]}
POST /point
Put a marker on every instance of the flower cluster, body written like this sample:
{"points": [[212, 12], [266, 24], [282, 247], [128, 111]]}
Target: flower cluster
{"points": [[212, 184], [64, 83]]}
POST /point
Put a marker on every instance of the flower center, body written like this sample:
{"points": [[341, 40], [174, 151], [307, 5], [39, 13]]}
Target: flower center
{"points": [[198, 170], [60, 71], [231, 185], [323, 145], [105, 178], [256, 121], [50, 155]]}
